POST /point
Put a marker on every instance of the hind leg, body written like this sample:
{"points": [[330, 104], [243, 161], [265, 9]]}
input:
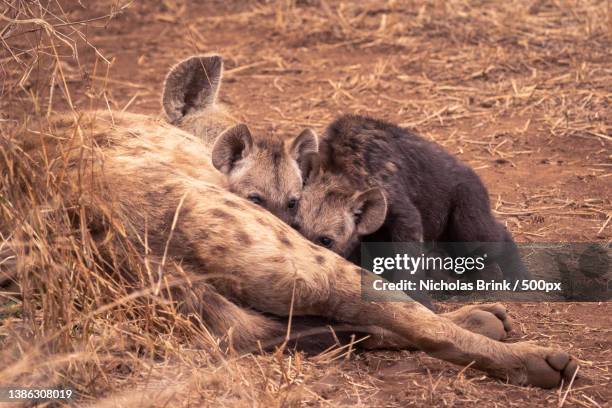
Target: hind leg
{"points": [[233, 327], [490, 320]]}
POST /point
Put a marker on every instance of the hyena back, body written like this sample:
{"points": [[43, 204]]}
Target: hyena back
{"points": [[159, 178]]}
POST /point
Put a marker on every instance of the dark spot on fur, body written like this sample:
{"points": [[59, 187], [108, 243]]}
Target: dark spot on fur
{"points": [[262, 221], [202, 235], [233, 204], [320, 260], [285, 228], [243, 238], [282, 237], [219, 213], [218, 250], [314, 247]]}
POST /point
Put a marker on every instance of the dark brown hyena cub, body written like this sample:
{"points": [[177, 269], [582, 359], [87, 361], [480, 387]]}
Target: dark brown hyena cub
{"points": [[380, 182]]}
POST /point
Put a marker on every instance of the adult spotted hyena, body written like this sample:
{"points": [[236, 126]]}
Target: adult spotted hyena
{"points": [[160, 179]]}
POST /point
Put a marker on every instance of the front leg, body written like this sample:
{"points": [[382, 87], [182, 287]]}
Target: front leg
{"points": [[490, 320], [405, 226], [404, 222]]}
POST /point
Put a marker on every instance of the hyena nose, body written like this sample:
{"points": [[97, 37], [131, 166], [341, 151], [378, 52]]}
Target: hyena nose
{"points": [[295, 226]]}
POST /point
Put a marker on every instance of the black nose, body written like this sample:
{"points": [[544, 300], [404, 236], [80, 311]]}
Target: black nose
{"points": [[295, 226]]}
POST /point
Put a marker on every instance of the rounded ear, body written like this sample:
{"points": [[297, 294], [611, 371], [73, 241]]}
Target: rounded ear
{"points": [[370, 210], [310, 166], [192, 85], [304, 149], [230, 146]]}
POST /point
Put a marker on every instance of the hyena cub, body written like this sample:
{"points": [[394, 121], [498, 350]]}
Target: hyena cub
{"points": [[268, 171], [380, 182]]}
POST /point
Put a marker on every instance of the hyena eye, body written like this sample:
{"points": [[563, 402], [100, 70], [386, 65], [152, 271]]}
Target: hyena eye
{"points": [[292, 203], [255, 199], [326, 242]]}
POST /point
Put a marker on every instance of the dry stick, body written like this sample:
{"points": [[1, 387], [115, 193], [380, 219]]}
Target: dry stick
{"points": [[569, 387], [350, 349], [244, 67], [288, 335], [104, 88], [163, 262], [590, 400], [63, 77], [462, 371], [603, 227], [127, 105], [336, 353], [67, 24], [118, 82]]}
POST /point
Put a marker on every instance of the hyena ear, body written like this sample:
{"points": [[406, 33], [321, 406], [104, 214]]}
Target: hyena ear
{"points": [[310, 166], [230, 146], [370, 210], [192, 85], [304, 149]]}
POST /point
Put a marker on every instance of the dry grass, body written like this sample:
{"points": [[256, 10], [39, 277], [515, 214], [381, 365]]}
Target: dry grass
{"points": [[520, 89]]}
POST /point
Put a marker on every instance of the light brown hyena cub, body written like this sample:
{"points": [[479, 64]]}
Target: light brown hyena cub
{"points": [[266, 170]]}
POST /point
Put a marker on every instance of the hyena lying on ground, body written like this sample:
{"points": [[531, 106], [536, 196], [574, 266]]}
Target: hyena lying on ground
{"points": [[132, 168]]}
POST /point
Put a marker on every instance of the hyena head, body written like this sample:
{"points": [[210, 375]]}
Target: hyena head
{"points": [[189, 97], [334, 215], [269, 171]]}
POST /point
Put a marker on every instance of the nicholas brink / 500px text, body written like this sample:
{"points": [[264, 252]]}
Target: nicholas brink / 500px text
{"points": [[457, 285]]}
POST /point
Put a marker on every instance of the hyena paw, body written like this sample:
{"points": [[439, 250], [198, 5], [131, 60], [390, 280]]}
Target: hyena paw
{"points": [[490, 320], [540, 366]]}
